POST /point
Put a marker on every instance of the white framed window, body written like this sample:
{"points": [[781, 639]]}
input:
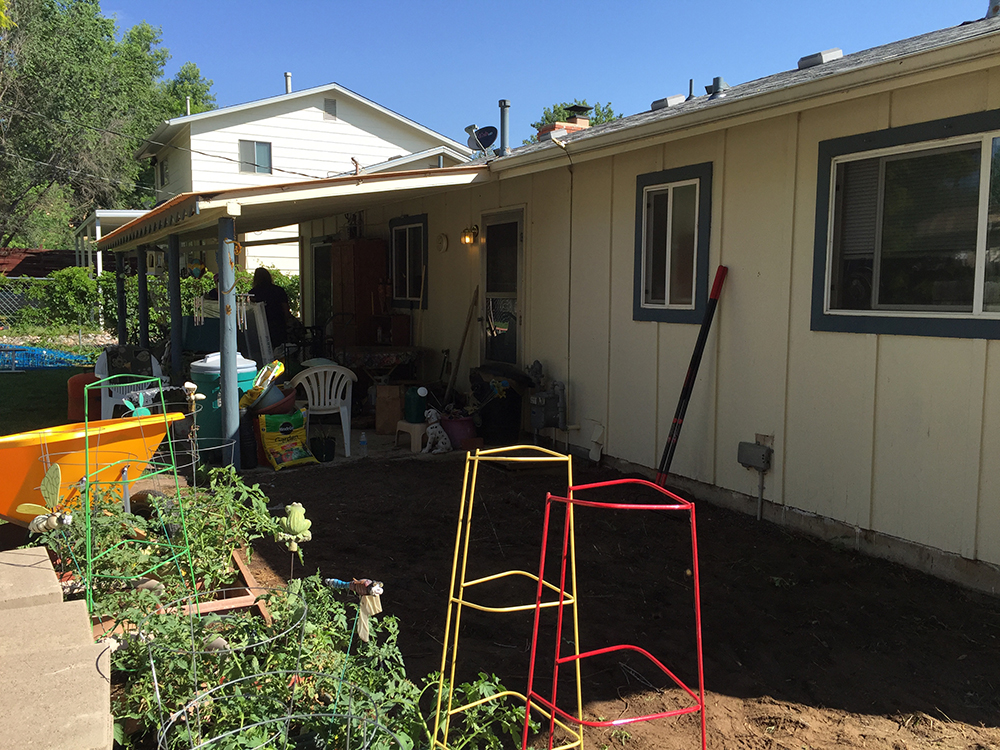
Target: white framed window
{"points": [[164, 171], [917, 229], [409, 260], [670, 242], [672, 226], [255, 157]]}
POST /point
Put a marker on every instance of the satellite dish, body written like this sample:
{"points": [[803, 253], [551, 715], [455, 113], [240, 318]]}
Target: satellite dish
{"points": [[481, 139], [487, 136]]}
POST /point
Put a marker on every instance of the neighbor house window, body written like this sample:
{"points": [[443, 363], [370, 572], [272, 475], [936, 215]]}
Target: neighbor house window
{"points": [[164, 172], [910, 226], [673, 220], [255, 157], [409, 260]]}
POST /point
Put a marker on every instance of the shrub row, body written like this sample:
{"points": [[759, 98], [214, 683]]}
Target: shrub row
{"points": [[70, 297]]}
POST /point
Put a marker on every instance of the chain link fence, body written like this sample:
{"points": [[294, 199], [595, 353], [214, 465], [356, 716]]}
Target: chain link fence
{"points": [[15, 298]]}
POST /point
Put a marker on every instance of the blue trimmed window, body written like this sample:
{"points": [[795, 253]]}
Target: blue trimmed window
{"points": [[409, 261], [908, 230], [673, 219]]}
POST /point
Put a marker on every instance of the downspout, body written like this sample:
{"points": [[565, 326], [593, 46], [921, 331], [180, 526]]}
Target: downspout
{"points": [[569, 290]]}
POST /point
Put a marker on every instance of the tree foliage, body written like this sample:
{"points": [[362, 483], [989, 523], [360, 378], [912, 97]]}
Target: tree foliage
{"points": [[557, 113], [76, 100], [188, 82]]}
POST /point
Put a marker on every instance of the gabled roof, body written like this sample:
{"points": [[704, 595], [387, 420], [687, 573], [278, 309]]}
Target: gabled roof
{"points": [[846, 72], [399, 161], [170, 128]]}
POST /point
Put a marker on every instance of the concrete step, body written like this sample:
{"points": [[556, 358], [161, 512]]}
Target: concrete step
{"points": [[47, 627], [27, 579], [56, 680], [57, 699]]}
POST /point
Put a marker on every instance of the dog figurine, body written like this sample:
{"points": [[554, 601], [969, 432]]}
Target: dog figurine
{"points": [[437, 438]]}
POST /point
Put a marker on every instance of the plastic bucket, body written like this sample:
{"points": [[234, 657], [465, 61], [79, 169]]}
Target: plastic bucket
{"points": [[414, 405], [458, 429], [206, 374]]}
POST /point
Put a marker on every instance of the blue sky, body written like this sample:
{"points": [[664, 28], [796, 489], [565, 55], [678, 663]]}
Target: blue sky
{"points": [[446, 63]]}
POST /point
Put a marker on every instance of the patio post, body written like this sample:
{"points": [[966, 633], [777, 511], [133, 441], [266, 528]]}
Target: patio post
{"points": [[120, 298], [140, 253], [228, 381], [176, 317]]}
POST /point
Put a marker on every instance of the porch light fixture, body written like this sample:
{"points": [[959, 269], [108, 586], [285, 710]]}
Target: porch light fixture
{"points": [[469, 234]]}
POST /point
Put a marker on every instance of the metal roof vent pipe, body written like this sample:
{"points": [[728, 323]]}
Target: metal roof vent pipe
{"points": [[504, 127], [718, 88], [288, 83], [994, 9]]}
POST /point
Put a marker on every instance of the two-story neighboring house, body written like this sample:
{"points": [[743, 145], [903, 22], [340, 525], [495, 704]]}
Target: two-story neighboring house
{"points": [[315, 133]]}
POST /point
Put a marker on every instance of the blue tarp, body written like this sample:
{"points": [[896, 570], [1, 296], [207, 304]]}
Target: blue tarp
{"points": [[36, 358]]}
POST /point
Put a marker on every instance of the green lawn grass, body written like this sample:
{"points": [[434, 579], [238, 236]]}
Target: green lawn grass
{"points": [[34, 399]]}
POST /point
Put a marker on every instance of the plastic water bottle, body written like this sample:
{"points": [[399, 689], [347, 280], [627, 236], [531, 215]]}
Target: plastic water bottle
{"points": [[363, 445]]}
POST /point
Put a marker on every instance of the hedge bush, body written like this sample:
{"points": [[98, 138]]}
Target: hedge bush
{"points": [[71, 297]]}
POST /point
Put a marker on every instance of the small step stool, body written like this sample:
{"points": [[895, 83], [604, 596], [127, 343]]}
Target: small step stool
{"points": [[416, 431]]}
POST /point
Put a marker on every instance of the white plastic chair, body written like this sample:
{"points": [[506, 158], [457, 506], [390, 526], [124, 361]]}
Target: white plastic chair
{"points": [[329, 389], [113, 395]]}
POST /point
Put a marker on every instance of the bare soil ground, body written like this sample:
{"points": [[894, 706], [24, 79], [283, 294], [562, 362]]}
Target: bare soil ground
{"points": [[805, 645]]}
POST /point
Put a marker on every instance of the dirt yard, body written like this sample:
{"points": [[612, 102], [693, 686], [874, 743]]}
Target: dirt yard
{"points": [[805, 645]]}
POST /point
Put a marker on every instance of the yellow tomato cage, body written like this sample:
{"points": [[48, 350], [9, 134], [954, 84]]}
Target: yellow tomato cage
{"points": [[460, 586]]}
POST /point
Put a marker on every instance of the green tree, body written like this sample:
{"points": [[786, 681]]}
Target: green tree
{"points": [[558, 113], [76, 99], [188, 82]]}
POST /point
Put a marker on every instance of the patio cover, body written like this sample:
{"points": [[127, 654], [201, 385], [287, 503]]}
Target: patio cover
{"points": [[195, 216]]}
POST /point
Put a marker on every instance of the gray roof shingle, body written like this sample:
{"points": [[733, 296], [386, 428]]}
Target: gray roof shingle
{"points": [[784, 80]]}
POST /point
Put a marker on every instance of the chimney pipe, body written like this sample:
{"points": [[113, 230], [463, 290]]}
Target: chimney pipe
{"points": [[504, 127], [288, 83], [188, 104]]}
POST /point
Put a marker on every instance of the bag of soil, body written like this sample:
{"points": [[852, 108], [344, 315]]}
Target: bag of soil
{"points": [[284, 438]]}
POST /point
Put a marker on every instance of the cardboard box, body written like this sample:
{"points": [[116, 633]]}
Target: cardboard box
{"points": [[388, 408]]}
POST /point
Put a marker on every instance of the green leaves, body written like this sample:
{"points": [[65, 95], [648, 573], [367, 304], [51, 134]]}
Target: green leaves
{"points": [[77, 98], [557, 113], [50, 486]]}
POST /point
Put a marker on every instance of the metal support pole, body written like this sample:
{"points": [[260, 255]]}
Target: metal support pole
{"points": [[176, 317], [228, 379], [140, 253], [120, 298], [98, 253]]}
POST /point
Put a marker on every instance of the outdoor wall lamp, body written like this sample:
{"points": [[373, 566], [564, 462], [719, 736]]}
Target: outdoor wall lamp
{"points": [[469, 234]]}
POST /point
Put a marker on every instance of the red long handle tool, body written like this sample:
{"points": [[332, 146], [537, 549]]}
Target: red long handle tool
{"points": [[692, 374]]}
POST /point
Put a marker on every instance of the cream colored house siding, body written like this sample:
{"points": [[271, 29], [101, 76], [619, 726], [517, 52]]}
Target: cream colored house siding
{"points": [[895, 434]]}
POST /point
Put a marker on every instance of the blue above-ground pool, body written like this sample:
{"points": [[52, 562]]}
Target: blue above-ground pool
{"points": [[14, 358]]}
